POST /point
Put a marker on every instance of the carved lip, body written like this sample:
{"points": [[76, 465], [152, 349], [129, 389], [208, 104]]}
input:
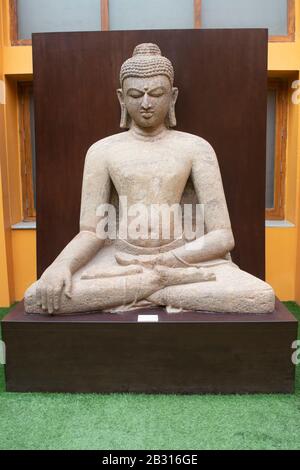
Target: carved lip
{"points": [[147, 114]]}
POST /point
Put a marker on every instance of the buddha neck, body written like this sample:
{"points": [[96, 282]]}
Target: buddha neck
{"points": [[151, 134]]}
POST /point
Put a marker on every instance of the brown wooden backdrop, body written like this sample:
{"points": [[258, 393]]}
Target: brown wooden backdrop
{"points": [[222, 80]]}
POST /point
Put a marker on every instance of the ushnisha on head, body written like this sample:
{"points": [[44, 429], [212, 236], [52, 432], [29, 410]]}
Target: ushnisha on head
{"points": [[147, 95]]}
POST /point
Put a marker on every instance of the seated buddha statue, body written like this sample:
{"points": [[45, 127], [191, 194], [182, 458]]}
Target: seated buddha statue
{"points": [[150, 164]]}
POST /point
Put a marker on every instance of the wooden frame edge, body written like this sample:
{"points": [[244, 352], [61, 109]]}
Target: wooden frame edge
{"points": [[291, 26], [197, 13], [13, 20], [104, 15], [28, 210], [13, 26], [104, 5], [281, 87], [291, 21]]}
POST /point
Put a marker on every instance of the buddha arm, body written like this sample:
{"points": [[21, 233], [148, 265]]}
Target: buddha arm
{"points": [[95, 190], [218, 239]]}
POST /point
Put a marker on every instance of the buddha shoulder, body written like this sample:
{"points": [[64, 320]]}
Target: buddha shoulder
{"points": [[102, 148], [195, 146]]}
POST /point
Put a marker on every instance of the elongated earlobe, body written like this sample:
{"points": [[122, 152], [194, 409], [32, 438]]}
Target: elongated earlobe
{"points": [[171, 120], [171, 117], [124, 117]]}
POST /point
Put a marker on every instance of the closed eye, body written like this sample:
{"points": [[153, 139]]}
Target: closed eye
{"points": [[157, 92], [135, 93]]}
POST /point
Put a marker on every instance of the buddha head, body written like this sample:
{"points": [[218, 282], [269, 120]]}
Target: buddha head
{"points": [[147, 95]]}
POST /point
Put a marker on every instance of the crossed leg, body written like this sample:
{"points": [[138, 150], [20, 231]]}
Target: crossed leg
{"points": [[234, 291], [117, 291]]}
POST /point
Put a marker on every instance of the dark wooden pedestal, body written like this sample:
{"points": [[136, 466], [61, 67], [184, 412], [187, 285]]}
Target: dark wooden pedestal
{"points": [[181, 353]]}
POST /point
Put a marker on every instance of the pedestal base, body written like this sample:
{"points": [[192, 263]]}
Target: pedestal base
{"points": [[188, 352]]}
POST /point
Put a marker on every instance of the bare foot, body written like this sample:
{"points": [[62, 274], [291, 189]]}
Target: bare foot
{"points": [[176, 276]]}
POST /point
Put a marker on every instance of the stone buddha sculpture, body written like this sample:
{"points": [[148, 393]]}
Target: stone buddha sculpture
{"points": [[149, 166]]}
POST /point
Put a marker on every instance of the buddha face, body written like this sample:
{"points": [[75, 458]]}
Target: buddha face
{"points": [[148, 101]]}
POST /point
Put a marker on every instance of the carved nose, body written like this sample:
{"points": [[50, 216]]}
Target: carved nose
{"points": [[145, 104]]}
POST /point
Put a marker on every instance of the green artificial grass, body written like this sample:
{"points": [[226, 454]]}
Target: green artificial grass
{"points": [[128, 421]]}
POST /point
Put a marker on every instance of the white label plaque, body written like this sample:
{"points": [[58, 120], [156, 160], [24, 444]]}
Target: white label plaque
{"points": [[148, 318]]}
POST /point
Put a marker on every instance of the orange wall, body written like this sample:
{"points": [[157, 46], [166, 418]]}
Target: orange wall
{"points": [[297, 277], [292, 158], [281, 245], [24, 260], [4, 280], [6, 284]]}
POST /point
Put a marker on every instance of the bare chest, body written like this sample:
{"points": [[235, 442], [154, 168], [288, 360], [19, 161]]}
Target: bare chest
{"points": [[149, 170]]}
